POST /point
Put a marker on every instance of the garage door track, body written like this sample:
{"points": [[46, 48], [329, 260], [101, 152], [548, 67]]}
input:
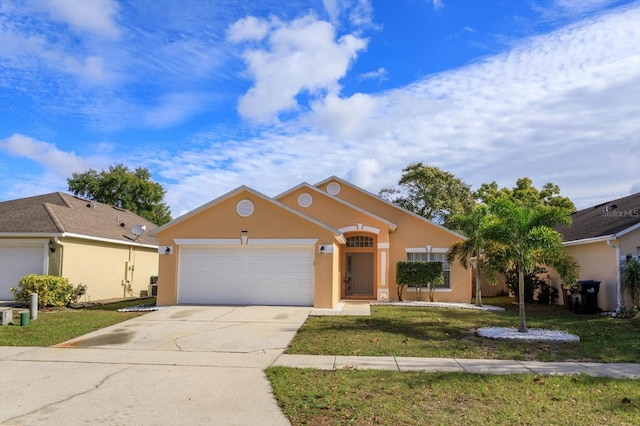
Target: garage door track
{"points": [[179, 365]]}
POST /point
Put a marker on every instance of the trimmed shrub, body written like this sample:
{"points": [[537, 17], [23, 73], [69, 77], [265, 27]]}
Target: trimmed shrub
{"points": [[418, 274], [52, 291]]}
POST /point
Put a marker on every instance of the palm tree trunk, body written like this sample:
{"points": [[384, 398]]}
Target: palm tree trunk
{"points": [[522, 328], [478, 287]]}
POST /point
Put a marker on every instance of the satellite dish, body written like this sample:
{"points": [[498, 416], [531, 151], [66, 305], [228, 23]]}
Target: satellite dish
{"points": [[138, 230]]}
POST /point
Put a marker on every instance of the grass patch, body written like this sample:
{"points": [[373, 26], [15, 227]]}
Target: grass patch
{"points": [[447, 333], [366, 397], [55, 326]]}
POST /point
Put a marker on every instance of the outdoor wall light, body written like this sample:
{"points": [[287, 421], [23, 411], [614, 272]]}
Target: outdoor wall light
{"points": [[52, 247], [321, 249], [243, 237]]}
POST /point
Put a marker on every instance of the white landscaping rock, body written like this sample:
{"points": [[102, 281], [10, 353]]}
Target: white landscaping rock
{"points": [[534, 334]]}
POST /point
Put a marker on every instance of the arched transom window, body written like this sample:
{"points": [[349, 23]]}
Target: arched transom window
{"points": [[359, 241]]}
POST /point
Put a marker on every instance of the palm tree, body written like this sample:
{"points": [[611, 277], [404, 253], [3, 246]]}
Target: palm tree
{"points": [[527, 238], [471, 250]]}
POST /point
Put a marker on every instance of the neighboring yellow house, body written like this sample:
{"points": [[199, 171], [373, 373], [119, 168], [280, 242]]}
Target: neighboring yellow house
{"points": [[89, 243], [310, 246], [600, 238]]}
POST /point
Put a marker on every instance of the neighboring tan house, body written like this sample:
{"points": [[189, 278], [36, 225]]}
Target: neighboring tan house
{"points": [[310, 246], [600, 238], [87, 242]]}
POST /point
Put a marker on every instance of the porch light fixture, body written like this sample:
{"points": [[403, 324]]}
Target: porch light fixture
{"points": [[321, 249], [52, 247]]}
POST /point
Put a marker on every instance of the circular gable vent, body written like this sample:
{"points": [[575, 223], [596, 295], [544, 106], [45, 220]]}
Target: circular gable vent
{"points": [[333, 188], [305, 199], [244, 208]]}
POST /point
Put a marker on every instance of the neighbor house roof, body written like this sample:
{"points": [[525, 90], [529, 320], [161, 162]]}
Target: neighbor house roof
{"points": [[60, 214], [607, 220]]}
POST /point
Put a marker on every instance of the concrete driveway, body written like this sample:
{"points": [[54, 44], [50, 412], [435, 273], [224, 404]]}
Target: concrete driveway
{"points": [[179, 365]]}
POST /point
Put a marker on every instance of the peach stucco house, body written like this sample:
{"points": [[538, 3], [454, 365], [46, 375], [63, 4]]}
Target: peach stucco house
{"points": [[309, 246], [600, 238]]}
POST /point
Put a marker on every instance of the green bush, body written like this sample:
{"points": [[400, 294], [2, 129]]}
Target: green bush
{"points": [[418, 274], [51, 290]]}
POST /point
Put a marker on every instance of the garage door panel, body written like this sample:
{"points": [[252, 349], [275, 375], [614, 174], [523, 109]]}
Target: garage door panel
{"points": [[16, 262], [248, 275]]}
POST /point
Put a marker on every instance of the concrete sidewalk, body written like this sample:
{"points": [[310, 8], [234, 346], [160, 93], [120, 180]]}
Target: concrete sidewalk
{"points": [[477, 366]]}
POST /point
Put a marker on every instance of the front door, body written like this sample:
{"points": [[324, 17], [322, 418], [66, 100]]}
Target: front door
{"points": [[360, 274]]}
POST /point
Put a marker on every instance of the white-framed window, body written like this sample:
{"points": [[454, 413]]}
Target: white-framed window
{"points": [[413, 256]]}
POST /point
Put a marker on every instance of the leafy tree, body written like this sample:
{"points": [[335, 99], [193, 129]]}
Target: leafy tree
{"points": [[472, 250], [431, 193], [527, 239], [124, 188], [631, 279], [526, 194]]}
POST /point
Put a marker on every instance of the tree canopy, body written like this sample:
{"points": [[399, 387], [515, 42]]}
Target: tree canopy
{"points": [[431, 193], [524, 193], [128, 189]]}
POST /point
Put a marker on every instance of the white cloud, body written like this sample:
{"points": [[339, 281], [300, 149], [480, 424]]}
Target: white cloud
{"points": [[301, 56], [437, 4], [44, 153], [174, 108], [380, 74], [333, 10], [248, 29], [93, 16], [560, 107]]}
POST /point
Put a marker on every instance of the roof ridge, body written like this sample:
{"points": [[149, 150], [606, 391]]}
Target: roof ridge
{"points": [[63, 197], [54, 217]]}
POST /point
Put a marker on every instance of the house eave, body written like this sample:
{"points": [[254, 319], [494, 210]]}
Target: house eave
{"points": [[30, 234], [599, 239], [107, 240]]}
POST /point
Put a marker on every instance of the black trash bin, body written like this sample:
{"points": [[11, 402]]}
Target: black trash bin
{"points": [[584, 297]]}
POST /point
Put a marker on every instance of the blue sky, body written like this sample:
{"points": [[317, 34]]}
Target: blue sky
{"points": [[210, 95]]}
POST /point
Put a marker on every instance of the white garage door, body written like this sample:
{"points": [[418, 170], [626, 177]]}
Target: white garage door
{"points": [[19, 260], [273, 275]]}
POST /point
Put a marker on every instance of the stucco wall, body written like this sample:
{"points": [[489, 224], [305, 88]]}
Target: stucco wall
{"points": [[598, 262], [101, 267], [268, 221], [411, 232]]}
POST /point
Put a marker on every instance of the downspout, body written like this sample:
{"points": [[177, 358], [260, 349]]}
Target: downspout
{"points": [[618, 292], [58, 243]]}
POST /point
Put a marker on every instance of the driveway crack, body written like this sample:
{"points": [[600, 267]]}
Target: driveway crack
{"points": [[70, 397]]}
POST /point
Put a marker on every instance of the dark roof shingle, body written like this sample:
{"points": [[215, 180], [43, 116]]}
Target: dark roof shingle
{"points": [[604, 219], [58, 212]]}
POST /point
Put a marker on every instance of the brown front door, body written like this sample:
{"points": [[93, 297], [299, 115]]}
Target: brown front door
{"points": [[360, 274]]}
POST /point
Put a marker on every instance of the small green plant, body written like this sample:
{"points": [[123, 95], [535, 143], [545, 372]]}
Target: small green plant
{"points": [[52, 291], [631, 279]]}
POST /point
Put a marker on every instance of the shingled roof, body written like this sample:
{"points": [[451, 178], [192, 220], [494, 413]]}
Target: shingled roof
{"points": [[607, 219], [60, 214]]}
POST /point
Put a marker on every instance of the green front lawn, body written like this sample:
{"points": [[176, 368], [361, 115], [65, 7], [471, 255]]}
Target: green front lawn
{"points": [[369, 397], [447, 333], [55, 326]]}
